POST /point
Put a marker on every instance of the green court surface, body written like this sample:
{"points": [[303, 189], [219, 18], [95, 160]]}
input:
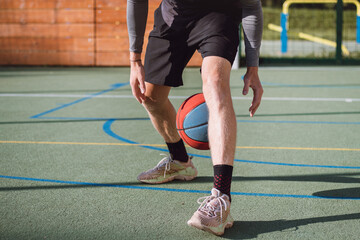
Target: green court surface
{"points": [[73, 140]]}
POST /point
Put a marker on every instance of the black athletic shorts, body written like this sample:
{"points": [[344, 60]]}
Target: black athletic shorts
{"points": [[169, 49]]}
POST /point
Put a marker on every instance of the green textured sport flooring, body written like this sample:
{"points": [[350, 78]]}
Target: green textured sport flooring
{"points": [[73, 140]]}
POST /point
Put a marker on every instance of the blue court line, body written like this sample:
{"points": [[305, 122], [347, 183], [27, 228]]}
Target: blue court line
{"points": [[74, 118], [107, 129], [113, 87], [297, 122], [297, 165], [172, 189], [93, 119], [118, 85]]}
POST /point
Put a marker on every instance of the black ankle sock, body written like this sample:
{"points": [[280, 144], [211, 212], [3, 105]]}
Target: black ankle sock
{"points": [[178, 151], [222, 178]]}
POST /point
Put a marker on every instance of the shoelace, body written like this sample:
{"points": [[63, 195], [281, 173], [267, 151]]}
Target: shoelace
{"points": [[166, 160], [209, 209]]}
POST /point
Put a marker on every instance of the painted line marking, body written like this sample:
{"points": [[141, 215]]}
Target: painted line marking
{"points": [[174, 190], [97, 95], [83, 143], [47, 95], [299, 148], [87, 97], [163, 145], [297, 122], [240, 120], [107, 129], [307, 85]]}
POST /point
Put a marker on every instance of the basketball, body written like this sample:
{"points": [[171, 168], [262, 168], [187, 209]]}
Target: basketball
{"points": [[192, 122]]}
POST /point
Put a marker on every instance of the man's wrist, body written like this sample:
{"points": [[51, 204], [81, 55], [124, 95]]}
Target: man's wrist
{"points": [[252, 69], [135, 57]]}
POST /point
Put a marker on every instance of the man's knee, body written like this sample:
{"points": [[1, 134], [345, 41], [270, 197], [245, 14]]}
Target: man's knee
{"points": [[152, 103], [155, 96], [216, 72]]}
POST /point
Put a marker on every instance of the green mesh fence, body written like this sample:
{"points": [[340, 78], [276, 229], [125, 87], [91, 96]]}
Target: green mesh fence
{"points": [[314, 33]]}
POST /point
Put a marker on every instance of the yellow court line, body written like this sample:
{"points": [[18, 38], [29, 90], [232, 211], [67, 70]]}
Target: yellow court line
{"points": [[163, 145], [84, 143]]}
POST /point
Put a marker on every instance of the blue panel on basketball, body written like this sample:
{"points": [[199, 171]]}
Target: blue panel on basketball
{"points": [[198, 133], [192, 122], [196, 117]]}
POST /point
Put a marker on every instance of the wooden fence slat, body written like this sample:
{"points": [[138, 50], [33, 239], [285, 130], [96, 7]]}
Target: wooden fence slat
{"points": [[116, 16], [112, 44], [111, 16], [103, 4], [120, 58], [46, 30], [74, 16], [47, 16], [110, 4], [43, 4], [27, 16], [111, 30], [47, 44], [47, 58], [74, 4], [115, 30]]}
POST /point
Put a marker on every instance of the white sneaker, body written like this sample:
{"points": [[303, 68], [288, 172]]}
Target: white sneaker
{"points": [[213, 215], [167, 170]]}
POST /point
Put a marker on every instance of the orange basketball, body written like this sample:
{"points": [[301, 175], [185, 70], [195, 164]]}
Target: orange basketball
{"points": [[192, 122]]}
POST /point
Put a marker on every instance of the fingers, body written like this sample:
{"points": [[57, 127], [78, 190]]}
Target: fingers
{"points": [[137, 83], [138, 90], [142, 86], [138, 94], [254, 106], [258, 92], [251, 80]]}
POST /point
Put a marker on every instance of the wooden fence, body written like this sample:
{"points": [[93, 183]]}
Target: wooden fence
{"points": [[68, 32]]}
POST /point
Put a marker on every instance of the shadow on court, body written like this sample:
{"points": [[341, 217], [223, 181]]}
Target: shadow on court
{"points": [[332, 178], [329, 178], [69, 186], [344, 192], [251, 229]]}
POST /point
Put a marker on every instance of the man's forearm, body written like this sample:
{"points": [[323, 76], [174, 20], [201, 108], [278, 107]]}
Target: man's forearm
{"points": [[252, 23]]}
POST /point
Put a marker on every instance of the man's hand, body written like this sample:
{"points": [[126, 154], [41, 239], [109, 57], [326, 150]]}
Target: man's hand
{"points": [[137, 77], [251, 79]]}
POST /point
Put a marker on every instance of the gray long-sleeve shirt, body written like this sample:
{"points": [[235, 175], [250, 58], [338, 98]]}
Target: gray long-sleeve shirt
{"points": [[249, 12]]}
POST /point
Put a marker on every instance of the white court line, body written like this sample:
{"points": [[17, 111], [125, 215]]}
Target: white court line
{"points": [[333, 68], [32, 95]]}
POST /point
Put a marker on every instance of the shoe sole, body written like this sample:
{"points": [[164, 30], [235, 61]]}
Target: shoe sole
{"points": [[212, 230], [169, 179]]}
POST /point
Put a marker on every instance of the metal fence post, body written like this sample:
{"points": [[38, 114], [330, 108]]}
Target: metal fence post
{"points": [[339, 30]]}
